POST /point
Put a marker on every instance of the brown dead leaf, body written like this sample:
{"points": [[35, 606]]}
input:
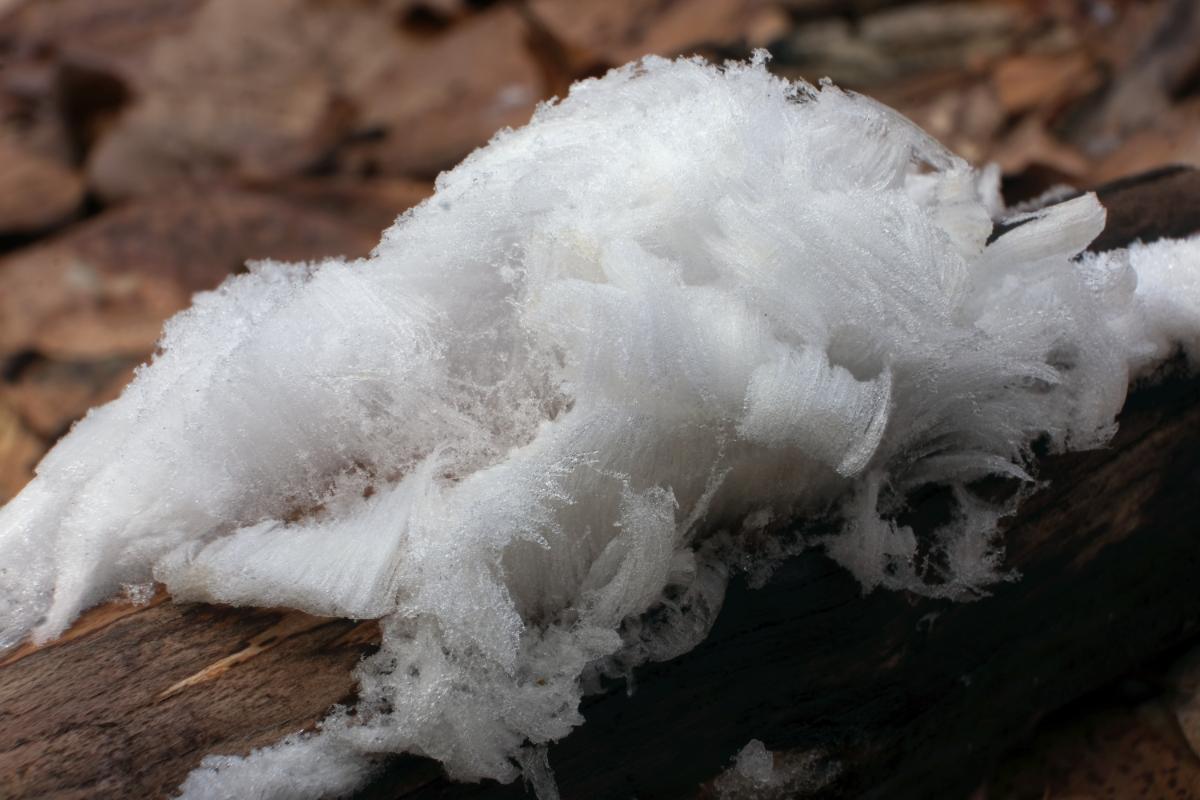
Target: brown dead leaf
{"points": [[1173, 139], [31, 121], [35, 192], [243, 90], [62, 300], [1043, 81], [606, 33], [432, 100], [263, 91], [70, 66], [1160, 60], [105, 34], [50, 395], [919, 26], [19, 453], [892, 46], [104, 288], [1030, 145], [1114, 752]]}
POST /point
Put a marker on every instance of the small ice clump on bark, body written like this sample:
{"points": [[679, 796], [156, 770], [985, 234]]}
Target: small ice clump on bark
{"points": [[684, 304], [755, 763], [759, 774]]}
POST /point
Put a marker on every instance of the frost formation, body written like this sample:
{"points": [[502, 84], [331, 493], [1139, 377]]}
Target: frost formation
{"points": [[681, 305], [759, 774]]}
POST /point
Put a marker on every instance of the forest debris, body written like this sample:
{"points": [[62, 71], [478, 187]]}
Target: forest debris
{"points": [[410, 123], [19, 452], [604, 33], [104, 288], [1173, 139], [1163, 62], [924, 25], [1043, 81], [197, 115], [49, 395], [35, 192], [113, 34], [323, 77], [1117, 750], [1031, 145]]}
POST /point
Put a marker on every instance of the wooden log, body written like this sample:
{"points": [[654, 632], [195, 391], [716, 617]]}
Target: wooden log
{"points": [[897, 696]]}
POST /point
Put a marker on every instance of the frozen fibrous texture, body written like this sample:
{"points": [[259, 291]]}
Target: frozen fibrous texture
{"points": [[759, 774], [612, 348]]}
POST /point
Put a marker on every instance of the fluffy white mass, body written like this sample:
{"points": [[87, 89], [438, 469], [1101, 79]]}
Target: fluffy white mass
{"points": [[684, 304]]}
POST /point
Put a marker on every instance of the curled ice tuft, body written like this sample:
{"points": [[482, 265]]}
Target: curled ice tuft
{"points": [[683, 302]]}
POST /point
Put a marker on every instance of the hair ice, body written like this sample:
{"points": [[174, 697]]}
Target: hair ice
{"points": [[683, 302]]}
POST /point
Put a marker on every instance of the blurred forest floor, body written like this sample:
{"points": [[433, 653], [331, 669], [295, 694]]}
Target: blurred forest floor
{"points": [[149, 147]]}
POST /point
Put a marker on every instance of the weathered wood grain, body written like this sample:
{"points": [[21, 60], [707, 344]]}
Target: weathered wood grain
{"points": [[127, 703]]}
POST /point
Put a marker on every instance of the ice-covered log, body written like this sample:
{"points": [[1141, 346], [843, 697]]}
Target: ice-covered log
{"points": [[886, 694]]}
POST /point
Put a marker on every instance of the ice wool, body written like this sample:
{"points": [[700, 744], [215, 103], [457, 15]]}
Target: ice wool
{"points": [[682, 305]]}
